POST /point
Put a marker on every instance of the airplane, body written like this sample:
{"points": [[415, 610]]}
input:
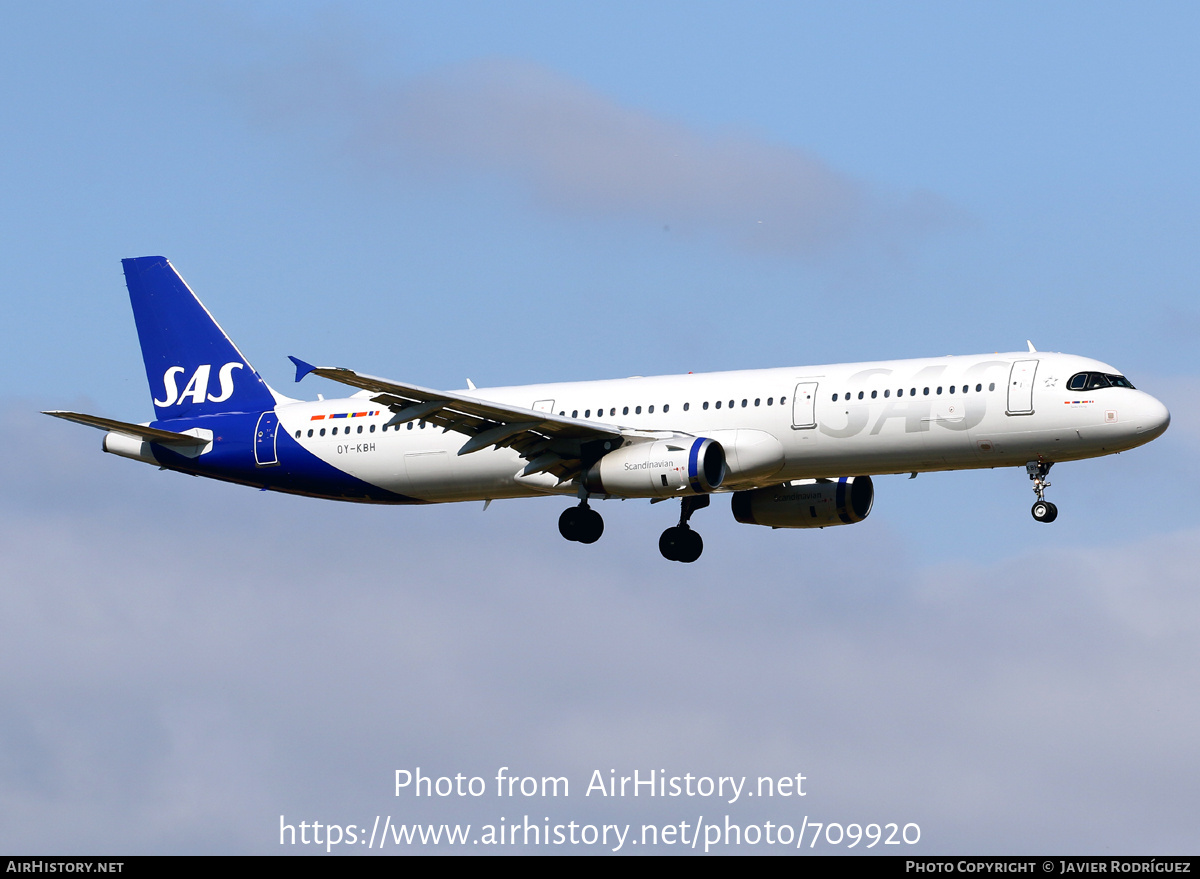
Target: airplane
{"points": [[781, 442]]}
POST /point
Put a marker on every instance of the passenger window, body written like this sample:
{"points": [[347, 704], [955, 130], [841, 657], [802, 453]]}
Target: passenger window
{"points": [[359, 429], [782, 400], [939, 390], [900, 392], [705, 406], [718, 404], [574, 414], [835, 398], [297, 434], [991, 387], [860, 395], [322, 431], [887, 392], [310, 431], [770, 401], [666, 408], [913, 392], [744, 402], [587, 413], [757, 400], [731, 404], [372, 428], [926, 392], [625, 411], [952, 389], [637, 411], [687, 406], [650, 411], [410, 424], [874, 394]]}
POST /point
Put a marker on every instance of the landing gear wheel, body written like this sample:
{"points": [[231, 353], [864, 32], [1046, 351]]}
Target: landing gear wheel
{"points": [[581, 524], [590, 525], [1044, 511], [669, 544], [692, 546], [568, 523], [680, 544]]}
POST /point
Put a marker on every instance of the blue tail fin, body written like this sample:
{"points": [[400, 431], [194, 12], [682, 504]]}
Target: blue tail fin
{"points": [[192, 366]]}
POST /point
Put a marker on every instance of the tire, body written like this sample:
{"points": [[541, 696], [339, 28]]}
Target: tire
{"points": [[1043, 511], [693, 546], [1052, 514], [568, 523], [590, 526], [669, 544]]}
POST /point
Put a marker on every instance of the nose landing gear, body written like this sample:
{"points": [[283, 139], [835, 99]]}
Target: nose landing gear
{"points": [[1043, 510], [681, 543]]}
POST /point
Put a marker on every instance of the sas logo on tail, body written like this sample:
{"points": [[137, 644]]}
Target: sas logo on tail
{"points": [[197, 386]]}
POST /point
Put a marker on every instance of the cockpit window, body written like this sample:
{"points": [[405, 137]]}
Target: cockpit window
{"points": [[1090, 381]]}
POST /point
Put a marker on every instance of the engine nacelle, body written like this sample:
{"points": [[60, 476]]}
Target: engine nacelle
{"points": [[806, 503], [659, 468]]}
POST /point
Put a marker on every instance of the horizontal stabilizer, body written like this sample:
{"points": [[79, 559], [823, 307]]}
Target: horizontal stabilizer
{"points": [[148, 434]]}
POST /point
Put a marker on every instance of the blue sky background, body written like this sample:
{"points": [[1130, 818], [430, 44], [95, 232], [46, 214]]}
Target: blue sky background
{"points": [[523, 192]]}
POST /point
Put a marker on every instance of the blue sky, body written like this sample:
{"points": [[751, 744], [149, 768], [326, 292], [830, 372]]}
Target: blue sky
{"points": [[523, 192]]}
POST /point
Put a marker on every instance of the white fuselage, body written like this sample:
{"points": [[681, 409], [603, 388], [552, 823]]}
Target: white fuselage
{"points": [[775, 425]]}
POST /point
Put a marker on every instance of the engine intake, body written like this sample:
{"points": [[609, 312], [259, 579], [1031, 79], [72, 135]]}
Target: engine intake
{"points": [[661, 468], [806, 503]]}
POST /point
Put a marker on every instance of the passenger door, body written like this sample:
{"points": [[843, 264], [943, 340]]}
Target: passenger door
{"points": [[1020, 387]]}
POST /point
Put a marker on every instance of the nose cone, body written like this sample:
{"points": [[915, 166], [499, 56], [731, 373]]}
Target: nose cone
{"points": [[1152, 419]]}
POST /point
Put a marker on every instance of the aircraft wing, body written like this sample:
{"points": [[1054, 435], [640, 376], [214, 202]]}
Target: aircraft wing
{"points": [[149, 434], [551, 443]]}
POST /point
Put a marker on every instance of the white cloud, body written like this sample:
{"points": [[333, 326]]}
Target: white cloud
{"points": [[578, 151]]}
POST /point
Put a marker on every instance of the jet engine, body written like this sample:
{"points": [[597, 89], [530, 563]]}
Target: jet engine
{"points": [[659, 468], [806, 503]]}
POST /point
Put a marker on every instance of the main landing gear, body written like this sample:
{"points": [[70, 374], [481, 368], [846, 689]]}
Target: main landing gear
{"points": [[1043, 510], [681, 543], [581, 524]]}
